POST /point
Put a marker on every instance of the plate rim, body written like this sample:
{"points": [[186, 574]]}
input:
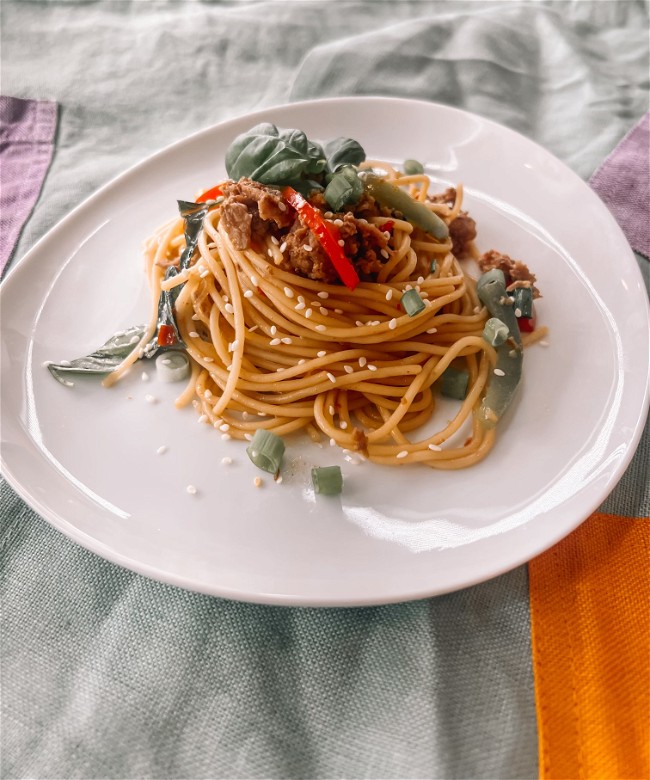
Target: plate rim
{"points": [[97, 547]]}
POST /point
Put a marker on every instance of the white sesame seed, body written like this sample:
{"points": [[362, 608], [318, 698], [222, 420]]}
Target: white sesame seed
{"points": [[65, 363], [432, 330], [389, 294], [226, 436], [359, 324], [402, 454], [248, 294], [408, 287], [332, 442], [274, 240], [543, 343], [254, 281], [150, 399], [384, 254], [283, 246], [229, 308], [371, 367], [208, 360], [286, 340], [392, 324], [331, 410], [226, 461], [299, 306], [257, 482], [517, 312], [288, 292], [328, 215], [323, 311], [321, 328], [279, 369], [322, 353], [193, 334], [301, 299], [435, 447], [145, 376], [341, 242], [362, 361], [269, 252], [323, 294], [338, 222], [301, 361], [282, 206], [204, 273], [308, 313], [162, 449], [207, 395], [386, 233], [191, 490], [254, 328], [196, 317], [338, 311], [306, 247], [224, 427], [248, 436], [420, 279], [348, 369], [203, 418], [275, 342], [273, 330], [279, 478], [343, 424], [331, 377], [499, 372], [217, 423]]}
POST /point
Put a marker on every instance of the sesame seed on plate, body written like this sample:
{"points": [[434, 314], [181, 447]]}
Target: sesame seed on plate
{"points": [[191, 490], [145, 376], [257, 482], [332, 442], [150, 399], [273, 330], [341, 242], [162, 449], [226, 436], [203, 418], [224, 427], [384, 254], [226, 461]]}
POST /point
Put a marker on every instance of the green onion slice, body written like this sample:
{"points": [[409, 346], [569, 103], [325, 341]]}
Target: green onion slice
{"points": [[454, 383], [327, 480], [523, 305], [412, 303], [266, 450], [433, 267], [495, 332], [412, 167]]}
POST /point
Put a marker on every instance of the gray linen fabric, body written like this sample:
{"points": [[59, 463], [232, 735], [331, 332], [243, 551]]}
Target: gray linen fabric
{"points": [[106, 674]]}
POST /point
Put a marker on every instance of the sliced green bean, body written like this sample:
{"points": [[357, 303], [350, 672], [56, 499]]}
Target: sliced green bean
{"points": [[393, 197], [491, 289]]}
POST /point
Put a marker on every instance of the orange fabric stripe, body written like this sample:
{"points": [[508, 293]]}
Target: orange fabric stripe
{"points": [[590, 634]]}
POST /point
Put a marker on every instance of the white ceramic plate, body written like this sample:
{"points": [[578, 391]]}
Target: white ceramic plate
{"points": [[85, 457]]}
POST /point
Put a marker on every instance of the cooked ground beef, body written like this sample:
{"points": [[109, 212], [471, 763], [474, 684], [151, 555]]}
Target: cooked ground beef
{"points": [[251, 209], [305, 256], [462, 231], [517, 273], [448, 197]]}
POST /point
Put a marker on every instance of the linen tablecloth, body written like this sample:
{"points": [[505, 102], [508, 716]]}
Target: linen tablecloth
{"points": [[106, 674]]}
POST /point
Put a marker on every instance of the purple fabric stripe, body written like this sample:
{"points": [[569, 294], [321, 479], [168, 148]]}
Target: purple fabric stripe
{"points": [[623, 183], [27, 130]]}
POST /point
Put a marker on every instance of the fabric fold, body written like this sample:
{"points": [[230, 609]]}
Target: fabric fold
{"points": [[27, 130]]}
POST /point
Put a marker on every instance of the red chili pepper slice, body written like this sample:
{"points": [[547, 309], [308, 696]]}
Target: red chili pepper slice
{"points": [[215, 192], [166, 336], [527, 324], [388, 225], [326, 233]]}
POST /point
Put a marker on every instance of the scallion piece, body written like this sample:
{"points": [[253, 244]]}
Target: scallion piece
{"points": [[172, 366], [412, 167], [454, 383], [327, 480], [412, 303], [266, 450], [523, 304], [495, 332], [344, 189], [433, 267]]}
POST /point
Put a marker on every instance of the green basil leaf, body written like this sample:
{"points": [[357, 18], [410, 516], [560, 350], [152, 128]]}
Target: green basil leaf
{"points": [[102, 360], [343, 151], [271, 156]]}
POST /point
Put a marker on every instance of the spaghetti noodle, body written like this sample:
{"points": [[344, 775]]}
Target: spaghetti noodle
{"points": [[277, 350]]}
